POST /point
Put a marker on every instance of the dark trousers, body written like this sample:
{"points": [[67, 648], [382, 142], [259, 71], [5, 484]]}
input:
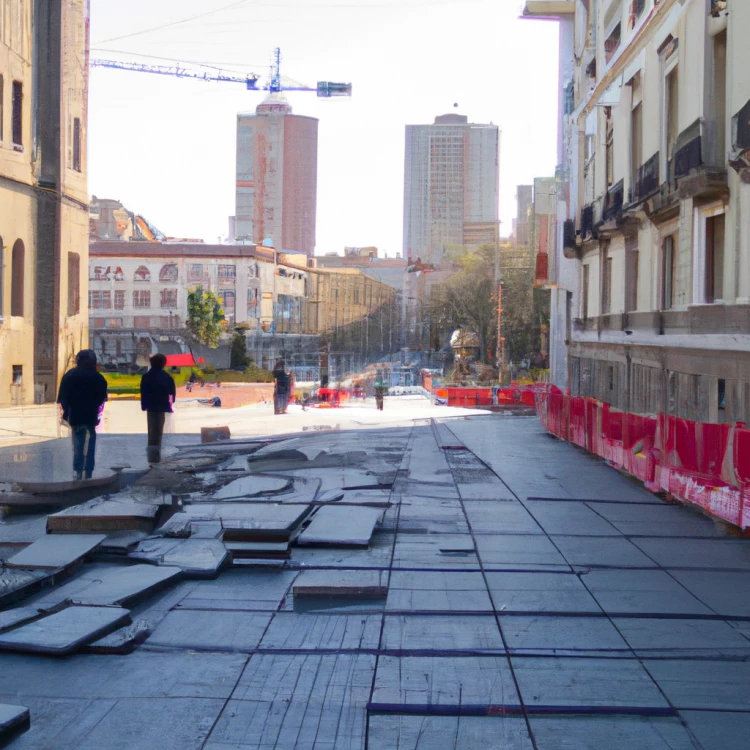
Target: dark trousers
{"points": [[155, 421], [84, 448]]}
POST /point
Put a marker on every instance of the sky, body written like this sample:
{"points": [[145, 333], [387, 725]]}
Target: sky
{"points": [[165, 146]]}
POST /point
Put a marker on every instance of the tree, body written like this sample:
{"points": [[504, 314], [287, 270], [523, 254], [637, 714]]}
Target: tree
{"points": [[205, 317], [238, 356]]}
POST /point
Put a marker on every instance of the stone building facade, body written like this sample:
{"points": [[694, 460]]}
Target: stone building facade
{"points": [[43, 195], [651, 292]]}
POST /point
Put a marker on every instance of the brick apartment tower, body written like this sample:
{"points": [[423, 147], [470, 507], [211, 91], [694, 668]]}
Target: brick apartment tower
{"points": [[277, 176], [451, 177]]}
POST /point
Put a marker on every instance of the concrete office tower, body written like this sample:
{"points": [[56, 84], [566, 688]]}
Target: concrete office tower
{"points": [[450, 186], [277, 176]]}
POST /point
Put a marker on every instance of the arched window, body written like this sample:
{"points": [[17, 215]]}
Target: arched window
{"points": [[142, 274], [17, 281], [168, 273]]}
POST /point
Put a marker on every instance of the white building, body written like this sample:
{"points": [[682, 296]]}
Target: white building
{"points": [[655, 188], [451, 179]]}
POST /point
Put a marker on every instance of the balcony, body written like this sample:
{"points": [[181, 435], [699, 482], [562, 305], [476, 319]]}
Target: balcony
{"points": [[587, 221], [648, 179], [613, 202]]}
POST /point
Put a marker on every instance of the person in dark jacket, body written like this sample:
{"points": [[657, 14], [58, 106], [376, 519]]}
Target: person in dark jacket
{"points": [[158, 393], [82, 394], [282, 388]]}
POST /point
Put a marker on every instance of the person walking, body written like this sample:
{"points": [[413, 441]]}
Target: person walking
{"points": [[82, 394], [158, 393], [379, 395], [281, 389]]}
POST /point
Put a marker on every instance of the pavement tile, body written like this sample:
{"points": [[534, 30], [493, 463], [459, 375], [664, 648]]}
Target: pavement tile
{"points": [[444, 680], [424, 551], [727, 594], [438, 601], [721, 685], [441, 633], [561, 635], [412, 580], [293, 630], [641, 592], [610, 733], [139, 675], [569, 518], [287, 701], [447, 733], [660, 520], [686, 638], [604, 552], [264, 589], [540, 592], [210, 630], [719, 730], [518, 550], [500, 518], [724, 553], [585, 682]]}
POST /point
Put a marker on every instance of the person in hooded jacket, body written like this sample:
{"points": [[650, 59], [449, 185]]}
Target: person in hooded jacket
{"points": [[158, 393], [82, 394]]}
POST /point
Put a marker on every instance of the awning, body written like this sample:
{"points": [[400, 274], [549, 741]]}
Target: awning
{"points": [[180, 360]]}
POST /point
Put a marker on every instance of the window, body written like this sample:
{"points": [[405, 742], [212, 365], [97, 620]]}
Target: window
{"points": [[227, 272], [142, 299], [17, 116], [252, 301], [2, 113], [610, 146], [718, 94], [168, 273], [631, 299], [195, 272], [636, 147], [17, 279], [119, 300], [715, 258], [142, 274], [17, 374], [636, 10], [74, 283], [227, 300], [672, 119], [100, 300], [585, 293], [612, 43], [169, 298], [669, 271], [77, 144], [606, 285]]}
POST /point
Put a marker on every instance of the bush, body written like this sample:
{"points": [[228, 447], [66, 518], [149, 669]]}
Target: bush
{"points": [[253, 374]]}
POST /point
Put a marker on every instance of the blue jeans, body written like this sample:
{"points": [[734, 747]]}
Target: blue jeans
{"points": [[84, 447]]}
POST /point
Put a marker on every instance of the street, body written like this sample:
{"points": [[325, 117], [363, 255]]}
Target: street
{"points": [[536, 598]]}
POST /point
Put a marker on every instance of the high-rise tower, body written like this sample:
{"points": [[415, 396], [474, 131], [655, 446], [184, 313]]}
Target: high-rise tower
{"points": [[450, 186], [277, 176]]}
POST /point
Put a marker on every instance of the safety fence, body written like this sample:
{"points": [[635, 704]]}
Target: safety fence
{"points": [[697, 462], [519, 395]]}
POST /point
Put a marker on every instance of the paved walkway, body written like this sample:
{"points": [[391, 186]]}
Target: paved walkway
{"points": [[536, 599]]}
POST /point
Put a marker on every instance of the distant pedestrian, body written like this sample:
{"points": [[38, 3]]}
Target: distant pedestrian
{"points": [[82, 394], [379, 395], [281, 389], [158, 393]]}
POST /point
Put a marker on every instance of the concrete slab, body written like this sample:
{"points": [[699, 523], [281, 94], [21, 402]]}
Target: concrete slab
{"points": [[726, 554], [659, 520], [258, 550], [570, 636], [585, 682], [210, 631], [22, 529], [118, 513], [611, 732], [651, 637], [15, 584], [152, 549], [501, 518], [356, 584], [540, 592], [341, 525], [292, 630], [444, 681], [641, 591], [602, 552], [719, 729], [257, 589], [14, 720], [425, 551], [438, 601], [569, 518], [447, 733], [122, 542], [726, 594], [121, 641], [64, 632], [247, 522], [178, 674], [703, 684], [128, 585], [56, 551], [11, 618], [410, 580], [447, 633], [298, 701], [253, 486], [530, 551], [197, 558]]}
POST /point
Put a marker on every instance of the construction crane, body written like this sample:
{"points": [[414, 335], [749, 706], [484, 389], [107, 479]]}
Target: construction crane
{"points": [[325, 89]]}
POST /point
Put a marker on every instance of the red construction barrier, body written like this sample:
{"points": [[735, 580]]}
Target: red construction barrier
{"points": [[697, 462], [506, 396]]}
